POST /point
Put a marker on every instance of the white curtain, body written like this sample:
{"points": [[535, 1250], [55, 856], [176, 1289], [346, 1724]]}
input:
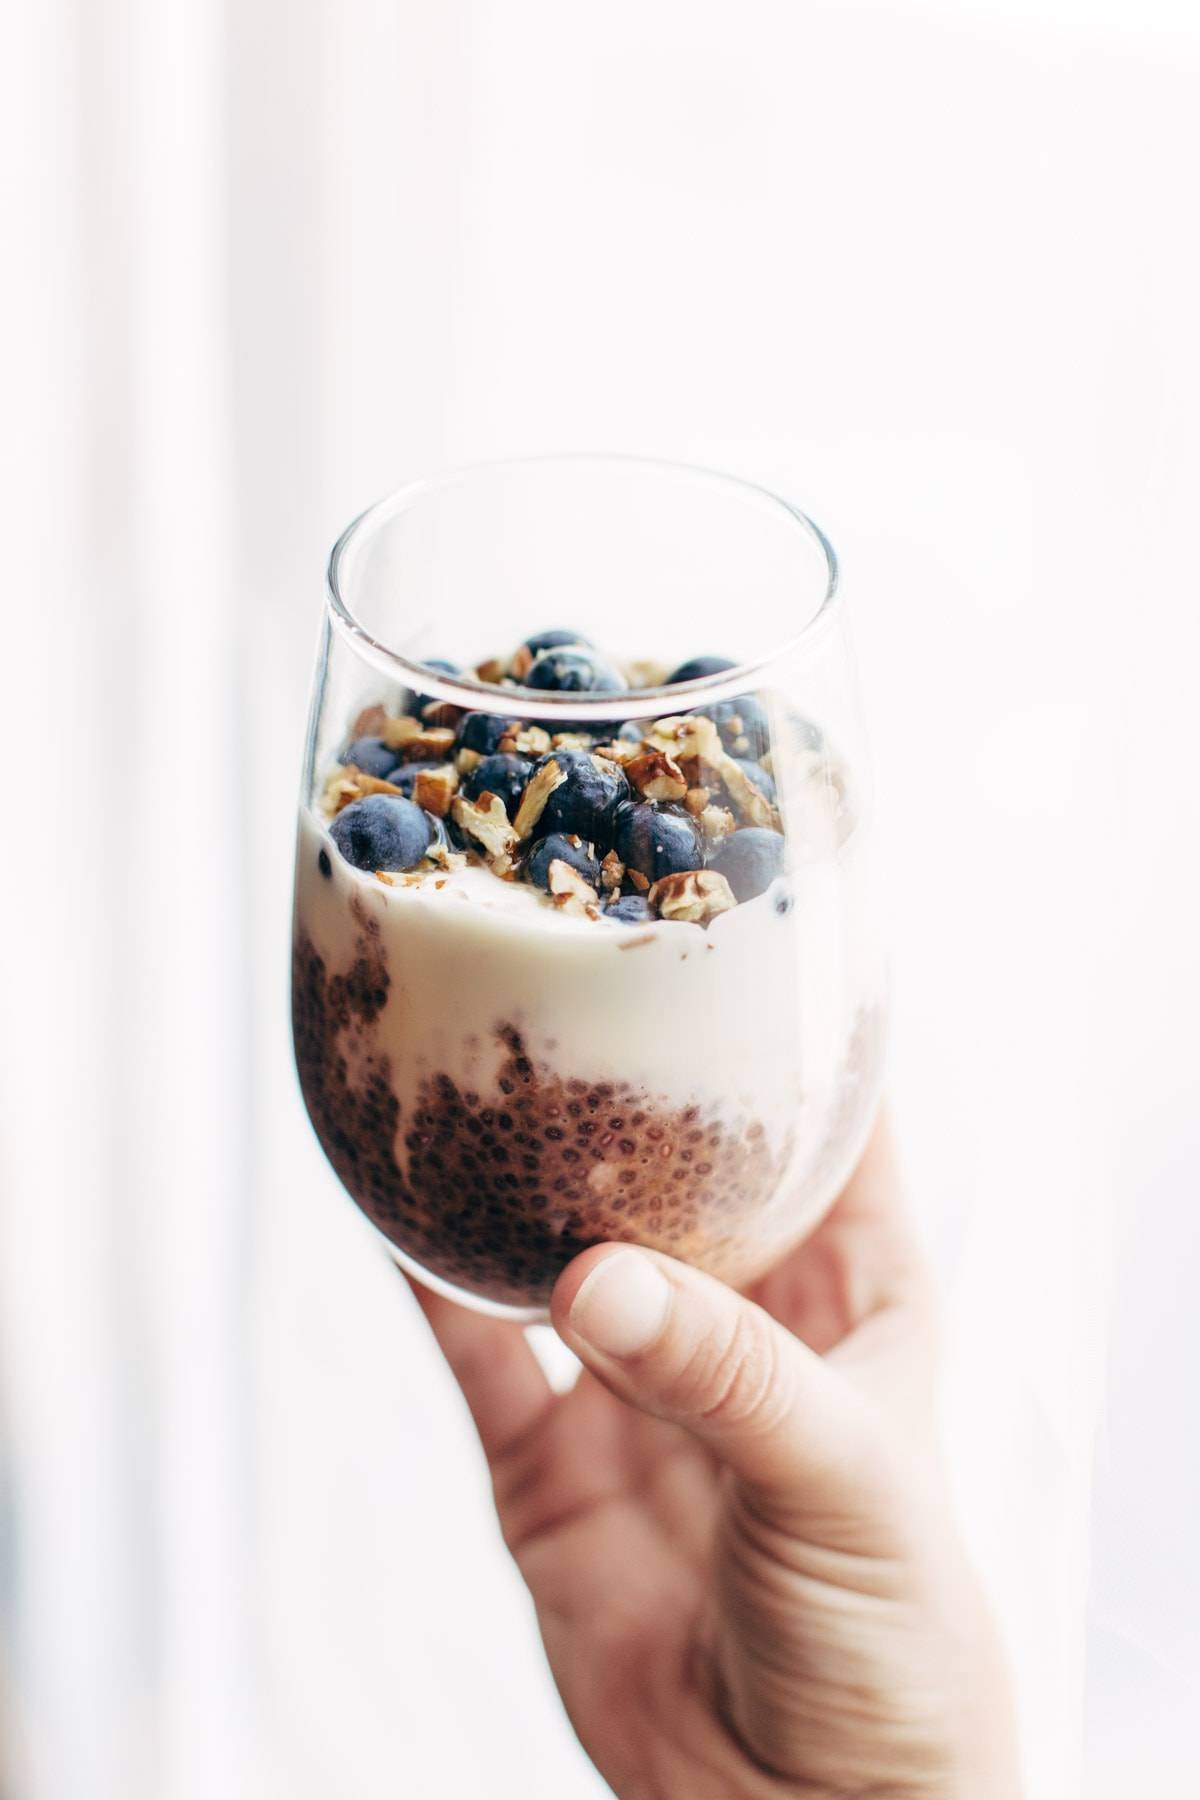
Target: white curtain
{"points": [[927, 268]]}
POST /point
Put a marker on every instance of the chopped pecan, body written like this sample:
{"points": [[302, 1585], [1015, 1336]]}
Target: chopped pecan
{"points": [[612, 873], [431, 744], [696, 799], [571, 740], [692, 735], [369, 723], [717, 822], [487, 822], [521, 663], [442, 857], [749, 799], [466, 760], [696, 895], [551, 775], [657, 776], [570, 892], [344, 786], [645, 672], [434, 789], [492, 671], [525, 740], [397, 732], [640, 882], [619, 751]]}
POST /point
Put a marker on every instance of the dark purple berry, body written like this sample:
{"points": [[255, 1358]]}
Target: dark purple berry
{"points": [[750, 860], [585, 804], [573, 670], [657, 843], [372, 756], [503, 774], [697, 667], [742, 724], [560, 847], [382, 832], [554, 640], [630, 909], [805, 735], [482, 731]]}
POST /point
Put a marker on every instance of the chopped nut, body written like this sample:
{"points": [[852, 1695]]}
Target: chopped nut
{"points": [[525, 740], [571, 740], [440, 712], [768, 762], [681, 737], [551, 775], [466, 760], [390, 880], [369, 723], [396, 732], [387, 879], [430, 745], [521, 663], [442, 857], [645, 672], [619, 751], [657, 776], [749, 799], [612, 873], [434, 789], [641, 882], [344, 786], [570, 892], [696, 895], [492, 671], [695, 800], [487, 822], [717, 822]]}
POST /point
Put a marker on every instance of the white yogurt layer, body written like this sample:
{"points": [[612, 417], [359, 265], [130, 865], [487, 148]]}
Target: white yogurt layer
{"points": [[773, 1011]]}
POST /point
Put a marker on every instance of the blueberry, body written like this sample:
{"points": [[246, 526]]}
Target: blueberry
{"points": [[632, 731], [554, 640], [805, 735], [699, 666], [502, 774], [758, 775], [742, 724], [415, 703], [585, 804], [657, 843], [750, 860], [405, 776], [482, 731], [573, 670], [558, 846], [630, 909], [382, 832], [372, 756]]}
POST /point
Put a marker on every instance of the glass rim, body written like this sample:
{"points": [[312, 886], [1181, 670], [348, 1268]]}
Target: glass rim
{"points": [[473, 695]]}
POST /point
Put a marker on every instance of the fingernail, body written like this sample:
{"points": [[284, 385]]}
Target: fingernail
{"points": [[622, 1305]]}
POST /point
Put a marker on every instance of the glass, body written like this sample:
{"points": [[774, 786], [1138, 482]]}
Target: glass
{"points": [[501, 1075]]}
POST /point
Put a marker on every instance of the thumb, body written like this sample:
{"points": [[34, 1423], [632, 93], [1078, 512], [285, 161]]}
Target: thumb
{"points": [[680, 1345]]}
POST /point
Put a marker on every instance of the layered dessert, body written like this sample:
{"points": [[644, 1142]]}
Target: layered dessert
{"points": [[556, 987]]}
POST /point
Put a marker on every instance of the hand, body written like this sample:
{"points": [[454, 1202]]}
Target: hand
{"points": [[734, 1527]]}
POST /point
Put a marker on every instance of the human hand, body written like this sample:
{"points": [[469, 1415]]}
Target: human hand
{"points": [[734, 1527]]}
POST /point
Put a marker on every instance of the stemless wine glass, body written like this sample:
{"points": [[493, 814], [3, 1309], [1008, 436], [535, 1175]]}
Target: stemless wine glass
{"points": [[501, 1075]]}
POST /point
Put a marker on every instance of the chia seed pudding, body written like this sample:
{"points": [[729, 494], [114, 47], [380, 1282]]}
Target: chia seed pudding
{"points": [[552, 991]]}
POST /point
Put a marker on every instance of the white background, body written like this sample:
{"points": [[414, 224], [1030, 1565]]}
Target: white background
{"points": [[929, 270]]}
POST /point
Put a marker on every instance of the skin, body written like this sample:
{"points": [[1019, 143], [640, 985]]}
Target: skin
{"points": [[735, 1528]]}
